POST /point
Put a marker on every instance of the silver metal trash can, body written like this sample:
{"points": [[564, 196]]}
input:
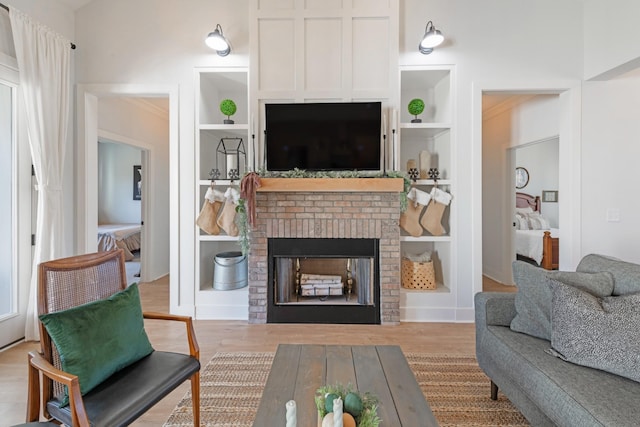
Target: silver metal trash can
{"points": [[230, 271]]}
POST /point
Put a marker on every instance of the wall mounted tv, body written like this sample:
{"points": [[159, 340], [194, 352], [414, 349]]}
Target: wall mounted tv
{"points": [[323, 136]]}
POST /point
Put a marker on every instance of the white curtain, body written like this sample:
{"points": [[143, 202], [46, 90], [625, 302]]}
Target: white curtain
{"points": [[44, 62]]}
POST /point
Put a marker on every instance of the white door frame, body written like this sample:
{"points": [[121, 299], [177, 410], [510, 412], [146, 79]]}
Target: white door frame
{"points": [[87, 161], [570, 99]]}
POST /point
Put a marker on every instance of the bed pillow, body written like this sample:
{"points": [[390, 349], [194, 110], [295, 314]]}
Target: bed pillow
{"points": [[525, 211], [522, 223], [533, 299], [100, 338], [626, 274], [537, 221], [596, 332]]}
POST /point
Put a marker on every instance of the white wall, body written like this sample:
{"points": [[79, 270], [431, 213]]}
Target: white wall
{"points": [[493, 41], [497, 41], [541, 161], [115, 184], [610, 153], [147, 42], [611, 38], [489, 40]]}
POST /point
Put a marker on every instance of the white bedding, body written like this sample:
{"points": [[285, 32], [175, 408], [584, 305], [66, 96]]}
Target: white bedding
{"points": [[529, 243], [124, 236]]}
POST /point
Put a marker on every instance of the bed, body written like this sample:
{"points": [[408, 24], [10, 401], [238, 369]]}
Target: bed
{"points": [[123, 236], [540, 246]]}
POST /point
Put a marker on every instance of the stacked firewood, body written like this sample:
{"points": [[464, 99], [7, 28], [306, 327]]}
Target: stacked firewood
{"points": [[321, 284]]}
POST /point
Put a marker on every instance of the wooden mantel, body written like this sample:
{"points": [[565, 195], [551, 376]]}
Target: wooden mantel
{"points": [[325, 185]]}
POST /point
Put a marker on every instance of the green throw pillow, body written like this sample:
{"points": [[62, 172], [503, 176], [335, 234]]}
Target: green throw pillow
{"points": [[100, 338]]}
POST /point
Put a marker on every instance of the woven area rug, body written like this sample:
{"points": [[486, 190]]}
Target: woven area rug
{"points": [[455, 387]]}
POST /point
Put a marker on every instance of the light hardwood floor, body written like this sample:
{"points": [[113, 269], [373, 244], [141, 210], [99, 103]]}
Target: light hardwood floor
{"points": [[228, 336]]}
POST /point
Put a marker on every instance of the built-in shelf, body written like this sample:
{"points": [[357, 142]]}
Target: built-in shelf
{"points": [[208, 126], [440, 289], [435, 134], [425, 239], [424, 130], [217, 238]]}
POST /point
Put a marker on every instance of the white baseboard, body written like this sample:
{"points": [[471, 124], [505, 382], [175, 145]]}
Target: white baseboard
{"points": [[435, 314], [222, 312]]}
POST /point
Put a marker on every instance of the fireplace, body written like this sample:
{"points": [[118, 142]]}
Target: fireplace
{"points": [[362, 211], [323, 281]]}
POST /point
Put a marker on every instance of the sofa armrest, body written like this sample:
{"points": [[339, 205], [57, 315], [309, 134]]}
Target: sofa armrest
{"points": [[495, 308]]}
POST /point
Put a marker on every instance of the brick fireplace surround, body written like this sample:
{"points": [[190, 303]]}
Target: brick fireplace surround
{"points": [[328, 208]]}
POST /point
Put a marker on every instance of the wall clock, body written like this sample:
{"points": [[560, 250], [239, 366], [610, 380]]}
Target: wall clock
{"points": [[522, 177]]}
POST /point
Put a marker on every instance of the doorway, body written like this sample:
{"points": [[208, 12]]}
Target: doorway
{"points": [[518, 131], [144, 117], [122, 171]]}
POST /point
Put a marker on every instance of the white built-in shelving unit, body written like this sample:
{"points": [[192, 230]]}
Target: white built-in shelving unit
{"points": [[212, 85], [436, 134]]}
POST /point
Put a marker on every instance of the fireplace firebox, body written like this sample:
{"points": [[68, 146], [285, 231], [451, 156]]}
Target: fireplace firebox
{"points": [[321, 280]]}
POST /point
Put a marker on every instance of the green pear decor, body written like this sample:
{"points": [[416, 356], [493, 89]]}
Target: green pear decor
{"points": [[416, 106], [228, 108]]}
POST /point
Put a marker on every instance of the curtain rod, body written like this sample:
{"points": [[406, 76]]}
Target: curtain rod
{"points": [[5, 7]]}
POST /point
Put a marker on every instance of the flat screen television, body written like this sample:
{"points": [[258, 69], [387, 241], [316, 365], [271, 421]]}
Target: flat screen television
{"points": [[323, 136]]}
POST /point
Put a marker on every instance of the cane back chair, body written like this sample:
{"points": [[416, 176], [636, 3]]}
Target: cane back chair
{"points": [[128, 393]]}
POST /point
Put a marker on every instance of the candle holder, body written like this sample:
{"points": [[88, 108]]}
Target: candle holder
{"points": [[298, 279], [349, 279], [235, 157]]}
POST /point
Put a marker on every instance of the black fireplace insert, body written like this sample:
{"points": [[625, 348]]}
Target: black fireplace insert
{"points": [[323, 281]]}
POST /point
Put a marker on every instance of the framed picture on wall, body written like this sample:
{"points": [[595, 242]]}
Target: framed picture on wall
{"points": [[549, 196], [137, 182]]}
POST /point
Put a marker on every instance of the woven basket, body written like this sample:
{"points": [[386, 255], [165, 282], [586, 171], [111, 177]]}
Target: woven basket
{"points": [[418, 275]]}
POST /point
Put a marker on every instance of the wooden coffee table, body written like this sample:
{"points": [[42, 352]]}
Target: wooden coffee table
{"points": [[298, 370]]}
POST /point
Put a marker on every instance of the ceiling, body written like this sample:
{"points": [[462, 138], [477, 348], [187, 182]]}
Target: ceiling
{"points": [[75, 4]]}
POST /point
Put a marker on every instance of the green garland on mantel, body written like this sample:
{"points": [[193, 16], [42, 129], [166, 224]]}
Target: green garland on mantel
{"points": [[242, 220]]}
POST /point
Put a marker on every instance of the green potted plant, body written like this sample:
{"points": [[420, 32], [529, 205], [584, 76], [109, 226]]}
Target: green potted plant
{"points": [[416, 106], [228, 108]]}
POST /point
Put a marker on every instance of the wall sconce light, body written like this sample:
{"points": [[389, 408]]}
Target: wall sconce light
{"points": [[431, 39], [216, 41]]}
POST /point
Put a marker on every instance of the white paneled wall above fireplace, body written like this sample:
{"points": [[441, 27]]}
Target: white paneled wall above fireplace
{"points": [[312, 50]]}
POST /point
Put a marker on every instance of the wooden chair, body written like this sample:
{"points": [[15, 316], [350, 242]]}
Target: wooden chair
{"points": [[125, 395]]}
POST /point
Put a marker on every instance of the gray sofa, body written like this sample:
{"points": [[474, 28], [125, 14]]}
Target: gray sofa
{"points": [[545, 388]]}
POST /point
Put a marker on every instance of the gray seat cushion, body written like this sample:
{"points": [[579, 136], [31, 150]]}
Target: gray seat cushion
{"points": [[569, 394]]}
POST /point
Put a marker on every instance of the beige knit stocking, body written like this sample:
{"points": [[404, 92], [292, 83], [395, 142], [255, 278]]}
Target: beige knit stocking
{"points": [[227, 217], [431, 220], [207, 219], [410, 219]]}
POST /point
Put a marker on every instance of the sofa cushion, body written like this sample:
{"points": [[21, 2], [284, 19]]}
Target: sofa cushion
{"points": [[596, 332], [99, 338], [569, 394], [533, 299], [625, 274]]}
